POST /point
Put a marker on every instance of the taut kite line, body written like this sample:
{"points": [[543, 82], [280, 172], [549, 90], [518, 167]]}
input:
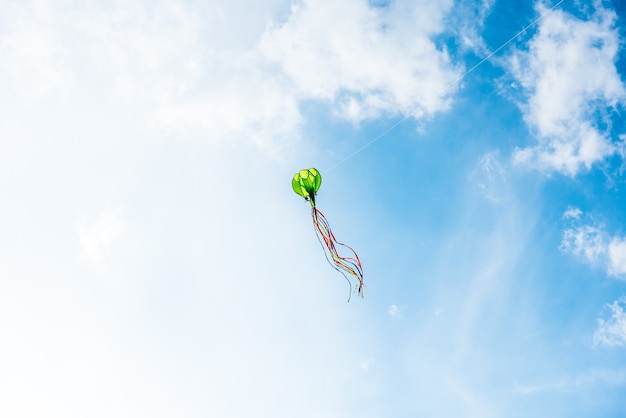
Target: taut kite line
{"points": [[306, 183]]}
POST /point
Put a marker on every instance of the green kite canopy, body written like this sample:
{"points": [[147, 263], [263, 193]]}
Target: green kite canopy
{"points": [[306, 183]]}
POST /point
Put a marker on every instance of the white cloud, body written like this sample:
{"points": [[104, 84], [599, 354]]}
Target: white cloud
{"points": [[572, 213], [177, 64], [611, 332], [183, 68], [365, 365], [570, 76], [490, 176], [586, 242], [363, 59], [595, 376], [394, 312], [592, 244], [617, 257], [193, 78], [97, 237], [468, 19], [33, 53]]}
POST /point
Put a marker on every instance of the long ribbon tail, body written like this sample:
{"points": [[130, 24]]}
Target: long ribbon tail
{"points": [[350, 265]]}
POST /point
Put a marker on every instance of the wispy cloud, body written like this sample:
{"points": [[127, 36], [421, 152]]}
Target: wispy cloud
{"points": [[394, 312], [590, 242], [586, 242], [572, 213], [490, 175], [611, 332], [468, 20], [34, 55], [593, 377], [97, 237], [570, 77], [366, 364]]}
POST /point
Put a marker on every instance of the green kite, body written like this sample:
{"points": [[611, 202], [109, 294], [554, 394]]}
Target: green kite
{"points": [[306, 183]]}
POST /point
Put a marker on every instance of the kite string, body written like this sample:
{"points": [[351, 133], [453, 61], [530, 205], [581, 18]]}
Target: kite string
{"points": [[458, 80], [517, 35]]}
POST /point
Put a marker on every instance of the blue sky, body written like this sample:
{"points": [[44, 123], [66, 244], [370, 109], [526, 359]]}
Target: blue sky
{"points": [[154, 260]]}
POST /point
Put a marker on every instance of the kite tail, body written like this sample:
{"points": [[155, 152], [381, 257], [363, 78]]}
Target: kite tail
{"points": [[350, 265]]}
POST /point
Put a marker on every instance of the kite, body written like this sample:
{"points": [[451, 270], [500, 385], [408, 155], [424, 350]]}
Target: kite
{"points": [[306, 183]]}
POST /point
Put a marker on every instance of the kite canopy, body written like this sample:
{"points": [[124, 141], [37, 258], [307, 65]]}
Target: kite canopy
{"points": [[306, 183]]}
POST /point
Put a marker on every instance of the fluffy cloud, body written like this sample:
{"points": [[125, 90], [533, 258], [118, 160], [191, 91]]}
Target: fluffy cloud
{"points": [[182, 67], [611, 332], [365, 59], [570, 77]]}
